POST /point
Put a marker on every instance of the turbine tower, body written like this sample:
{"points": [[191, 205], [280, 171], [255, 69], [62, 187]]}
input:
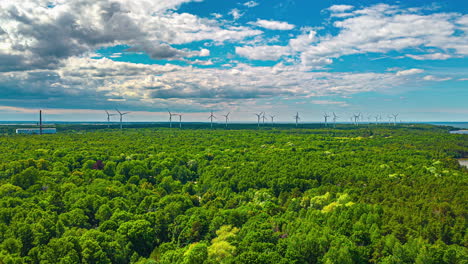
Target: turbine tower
{"points": [[356, 119], [259, 115], [108, 118], [170, 118], [297, 118], [121, 116], [334, 119], [326, 116], [180, 120], [211, 118], [272, 119], [394, 118], [227, 118], [263, 118], [40, 122], [376, 119]]}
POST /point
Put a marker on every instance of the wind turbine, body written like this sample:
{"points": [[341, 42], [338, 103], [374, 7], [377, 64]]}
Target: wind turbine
{"points": [[356, 119], [170, 118], [389, 119], [258, 118], [326, 116], [211, 117], [108, 118], [121, 116], [180, 120], [227, 118], [394, 118], [297, 118], [272, 119], [334, 119], [263, 117], [376, 119]]}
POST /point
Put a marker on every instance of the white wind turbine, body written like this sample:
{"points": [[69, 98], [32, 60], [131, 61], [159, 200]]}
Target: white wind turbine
{"points": [[263, 118], [326, 116], [180, 120], [259, 115], [394, 118], [226, 116], [108, 118], [297, 118], [272, 119], [121, 116], [356, 119], [334, 119], [211, 118], [170, 118]]}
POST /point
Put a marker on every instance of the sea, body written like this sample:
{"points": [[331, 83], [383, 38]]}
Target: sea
{"points": [[459, 125]]}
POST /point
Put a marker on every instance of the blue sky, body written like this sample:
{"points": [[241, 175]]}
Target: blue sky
{"points": [[75, 59]]}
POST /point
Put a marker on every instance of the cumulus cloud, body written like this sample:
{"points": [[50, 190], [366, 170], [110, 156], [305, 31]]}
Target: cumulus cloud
{"points": [[272, 24], [236, 13], [340, 8], [435, 78], [409, 72], [264, 53], [432, 56], [100, 83], [380, 29], [37, 35], [251, 4], [329, 102], [45, 54]]}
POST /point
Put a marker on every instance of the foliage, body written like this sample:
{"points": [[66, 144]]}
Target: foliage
{"points": [[151, 195]]}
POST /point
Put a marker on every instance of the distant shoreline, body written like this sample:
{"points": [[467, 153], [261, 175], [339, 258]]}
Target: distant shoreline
{"points": [[459, 125]]}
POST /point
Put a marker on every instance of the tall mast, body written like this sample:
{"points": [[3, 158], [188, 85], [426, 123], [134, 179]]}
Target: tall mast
{"points": [[40, 122]]}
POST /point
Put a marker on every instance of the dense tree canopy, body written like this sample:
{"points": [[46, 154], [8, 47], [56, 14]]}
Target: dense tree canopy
{"points": [[148, 195]]}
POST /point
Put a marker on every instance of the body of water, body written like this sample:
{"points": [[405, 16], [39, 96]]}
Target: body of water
{"points": [[463, 162], [453, 124], [461, 125]]}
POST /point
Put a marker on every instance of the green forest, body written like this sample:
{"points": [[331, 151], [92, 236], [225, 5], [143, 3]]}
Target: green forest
{"points": [[376, 194]]}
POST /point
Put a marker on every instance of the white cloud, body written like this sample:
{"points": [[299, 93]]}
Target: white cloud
{"points": [[340, 8], [272, 24], [435, 78], [378, 29], [97, 83], [409, 72], [313, 61], [432, 56], [264, 53], [35, 36], [204, 53], [217, 15], [251, 4], [303, 42], [329, 102], [383, 28], [236, 13], [200, 62]]}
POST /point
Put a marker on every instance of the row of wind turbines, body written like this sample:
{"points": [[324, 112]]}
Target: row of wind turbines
{"points": [[356, 119]]}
